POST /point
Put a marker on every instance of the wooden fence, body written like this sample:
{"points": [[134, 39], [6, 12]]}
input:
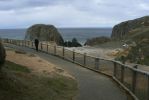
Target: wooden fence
{"points": [[135, 81]]}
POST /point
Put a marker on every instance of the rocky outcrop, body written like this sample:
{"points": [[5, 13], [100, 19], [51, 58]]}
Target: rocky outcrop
{"points": [[44, 33], [73, 43], [121, 30], [2, 55], [97, 41], [134, 32]]}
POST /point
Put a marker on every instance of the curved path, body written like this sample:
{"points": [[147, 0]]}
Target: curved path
{"points": [[92, 85]]}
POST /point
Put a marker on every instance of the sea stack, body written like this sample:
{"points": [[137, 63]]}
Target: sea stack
{"points": [[44, 33]]}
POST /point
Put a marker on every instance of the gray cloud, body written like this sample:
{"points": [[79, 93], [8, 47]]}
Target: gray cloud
{"points": [[70, 13], [18, 4]]}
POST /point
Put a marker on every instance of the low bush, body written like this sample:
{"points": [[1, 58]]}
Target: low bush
{"points": [[2, 55]]}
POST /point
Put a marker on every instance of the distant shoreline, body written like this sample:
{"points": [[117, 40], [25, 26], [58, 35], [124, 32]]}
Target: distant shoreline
{"points": [[62, 28], [81, 34]]}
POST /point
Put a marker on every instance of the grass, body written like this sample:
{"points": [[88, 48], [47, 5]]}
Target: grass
{"points": [[15, 67], [19, 83]]}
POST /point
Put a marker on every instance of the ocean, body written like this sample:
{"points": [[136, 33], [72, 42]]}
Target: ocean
{"points": [[81, 34]]}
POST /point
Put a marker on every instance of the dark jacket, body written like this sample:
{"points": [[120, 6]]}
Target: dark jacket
{"points": [[36, 41]]}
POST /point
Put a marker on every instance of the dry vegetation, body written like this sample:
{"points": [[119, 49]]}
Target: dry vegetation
{"points": [[28, 77]]}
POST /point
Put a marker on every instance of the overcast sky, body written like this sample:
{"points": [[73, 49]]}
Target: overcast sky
{"points": [[70, 13]]}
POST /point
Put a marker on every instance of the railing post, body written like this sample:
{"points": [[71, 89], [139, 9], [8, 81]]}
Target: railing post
{"points": [[73, 58], [15, 42], [32, 44], [115, 67], [22, 43], [63, 52], [25, 43], [6, 40], [84, 59], [54, 49], [41, 45], [47, 48], [18, 42], [148, 88], [96, 63], [122, 73], [134, 79]]}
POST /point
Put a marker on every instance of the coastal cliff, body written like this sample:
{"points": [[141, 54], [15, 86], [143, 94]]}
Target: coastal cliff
{"points": [[44, 33], [123, 29], [134, 32]]}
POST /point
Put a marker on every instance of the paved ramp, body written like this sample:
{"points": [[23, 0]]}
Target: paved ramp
{"points": [[92, 85]]}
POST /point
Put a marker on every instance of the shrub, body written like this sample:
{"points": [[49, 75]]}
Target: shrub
{"points": [[2, 55]]}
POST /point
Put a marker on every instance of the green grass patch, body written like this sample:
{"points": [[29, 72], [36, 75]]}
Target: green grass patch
{"points": [[16, 67], [18, 83]]}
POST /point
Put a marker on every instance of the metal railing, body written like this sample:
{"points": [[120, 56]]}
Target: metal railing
{"points": [[133, 79]]}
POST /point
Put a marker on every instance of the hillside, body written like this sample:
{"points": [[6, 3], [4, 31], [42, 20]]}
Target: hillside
{"points": [[123, 29], [136, 34], [24, 80]]}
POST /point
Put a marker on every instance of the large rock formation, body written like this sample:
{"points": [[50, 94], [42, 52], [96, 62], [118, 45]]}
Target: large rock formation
{"points": [[2, 55], [44, 33], [97, 41], [123, 29], [136, 35]]}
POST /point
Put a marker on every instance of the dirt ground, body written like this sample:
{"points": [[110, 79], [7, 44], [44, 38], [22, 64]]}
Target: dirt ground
{"points": [[34, 63]]}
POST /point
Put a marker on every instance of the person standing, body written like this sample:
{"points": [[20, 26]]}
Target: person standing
{"points": [[36, 44]]}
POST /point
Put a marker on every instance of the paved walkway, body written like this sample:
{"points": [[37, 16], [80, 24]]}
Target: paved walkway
{"points": [[92, 86]]}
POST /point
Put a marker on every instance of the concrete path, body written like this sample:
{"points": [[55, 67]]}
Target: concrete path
{"points": [[92, 85]]}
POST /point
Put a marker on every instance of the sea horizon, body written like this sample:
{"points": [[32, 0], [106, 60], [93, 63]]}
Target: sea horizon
{"points": [[67, 28], [81, 34]]}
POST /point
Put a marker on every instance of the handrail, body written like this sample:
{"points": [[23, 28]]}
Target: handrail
{"points": [[118, 68]]}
